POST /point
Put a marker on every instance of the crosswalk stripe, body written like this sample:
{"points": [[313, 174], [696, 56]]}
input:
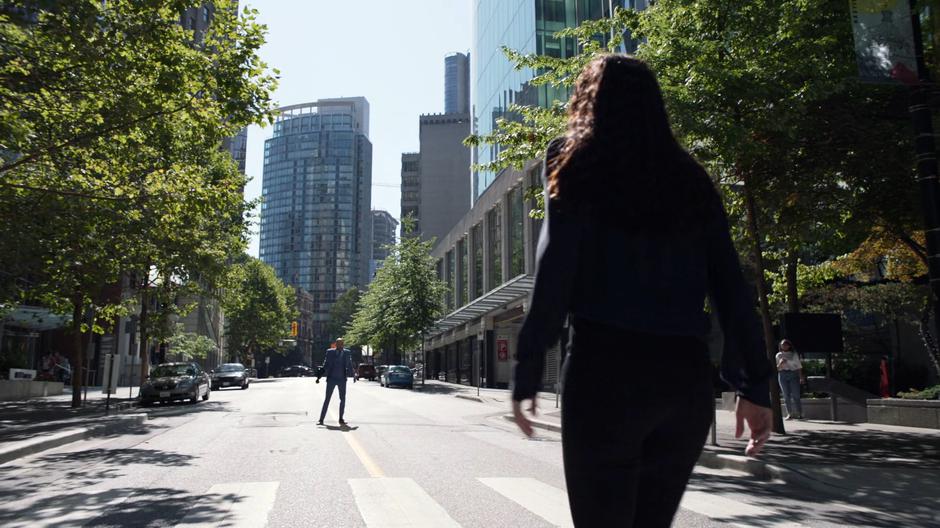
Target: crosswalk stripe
{"points": [[398, 503], [734, 512], [548, 502], [248, 505]]}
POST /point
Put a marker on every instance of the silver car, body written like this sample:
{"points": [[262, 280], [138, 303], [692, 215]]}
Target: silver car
{"points": [[175, 381], [229, 375]]}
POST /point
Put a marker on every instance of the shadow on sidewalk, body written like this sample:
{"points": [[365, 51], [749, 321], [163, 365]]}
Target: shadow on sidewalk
{"points": [[440, 388]]}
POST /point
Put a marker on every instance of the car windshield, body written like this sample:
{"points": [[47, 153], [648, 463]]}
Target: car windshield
{"points": [[167, 371], [399, 369], [231, 367]]}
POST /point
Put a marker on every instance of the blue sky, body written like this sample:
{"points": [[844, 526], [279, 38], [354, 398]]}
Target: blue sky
{"points": [[389, 51]]}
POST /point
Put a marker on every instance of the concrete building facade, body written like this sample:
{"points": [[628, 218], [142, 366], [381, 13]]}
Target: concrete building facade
{"points": [[316, 219]]}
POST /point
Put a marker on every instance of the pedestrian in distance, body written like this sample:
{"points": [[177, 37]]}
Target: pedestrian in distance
{"points": [[634, 240], [337, 367], [790, 376]]}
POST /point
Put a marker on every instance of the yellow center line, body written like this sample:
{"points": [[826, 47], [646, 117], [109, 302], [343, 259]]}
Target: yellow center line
{"points": [[374, 470]]}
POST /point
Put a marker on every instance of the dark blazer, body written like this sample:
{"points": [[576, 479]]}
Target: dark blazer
{"points": [[337, 365], [646, 282]]}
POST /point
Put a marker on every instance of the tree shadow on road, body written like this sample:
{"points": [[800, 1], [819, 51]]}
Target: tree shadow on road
{"points": [[129, 506]]}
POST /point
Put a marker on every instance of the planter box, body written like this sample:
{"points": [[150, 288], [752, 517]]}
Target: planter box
{"points": [[821, 409], [26, 389], [910, 413]]}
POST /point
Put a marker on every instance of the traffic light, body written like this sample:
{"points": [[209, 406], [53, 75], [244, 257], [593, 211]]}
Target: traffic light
{"points": [[293, 328]]}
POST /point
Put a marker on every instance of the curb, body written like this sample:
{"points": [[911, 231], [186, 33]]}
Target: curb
{"points": [[537, 423], [763, 471], [46, 442]]}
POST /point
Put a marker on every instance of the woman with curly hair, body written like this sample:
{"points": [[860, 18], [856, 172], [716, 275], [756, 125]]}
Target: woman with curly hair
{"points": [[634, 240]]}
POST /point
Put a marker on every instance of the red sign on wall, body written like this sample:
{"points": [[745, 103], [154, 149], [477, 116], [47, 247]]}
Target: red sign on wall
{"points": [[502, 350]]}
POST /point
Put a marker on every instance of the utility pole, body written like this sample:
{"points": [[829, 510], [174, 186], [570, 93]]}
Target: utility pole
{"points": [[926, 155]]}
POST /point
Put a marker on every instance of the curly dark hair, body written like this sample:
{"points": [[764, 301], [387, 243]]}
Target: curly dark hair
{"points": [[619, 156]]}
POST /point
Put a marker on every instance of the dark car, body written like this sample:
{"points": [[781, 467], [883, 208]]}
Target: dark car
{"points": [[398, 375], [365, 371], [230, 375], [295, 371], [175, 381]]}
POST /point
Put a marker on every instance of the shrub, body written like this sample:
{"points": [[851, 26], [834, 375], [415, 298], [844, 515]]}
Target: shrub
{"points": [[930, 393]]}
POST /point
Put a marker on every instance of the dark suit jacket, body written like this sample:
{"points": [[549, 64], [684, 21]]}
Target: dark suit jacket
{"points": [[643, 282], [337, 365]]}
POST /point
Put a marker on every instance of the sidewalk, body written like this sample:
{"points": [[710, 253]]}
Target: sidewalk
{"points": [[880, 462], [29, 426]]}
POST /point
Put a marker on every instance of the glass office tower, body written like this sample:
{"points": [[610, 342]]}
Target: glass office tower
{"points": [[316, 219], [527, 26]]}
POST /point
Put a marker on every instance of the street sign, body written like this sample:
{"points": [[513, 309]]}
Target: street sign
{"points": [[884, 39], [112, 370], [502, 349]]}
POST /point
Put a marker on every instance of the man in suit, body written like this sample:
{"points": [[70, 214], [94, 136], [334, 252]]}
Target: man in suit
{"points": [[337, 366]]}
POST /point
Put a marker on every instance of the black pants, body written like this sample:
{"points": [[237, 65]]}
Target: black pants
{"points": [[330, 384], [636, 411]]}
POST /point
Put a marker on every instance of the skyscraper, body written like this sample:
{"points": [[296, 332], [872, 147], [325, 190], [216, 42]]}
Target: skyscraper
{"points": [[526, 26], [316, 219], [384, 226], [457, 83]]}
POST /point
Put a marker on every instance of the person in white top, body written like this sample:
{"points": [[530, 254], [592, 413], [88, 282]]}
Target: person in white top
{"points": [[790, 375]]}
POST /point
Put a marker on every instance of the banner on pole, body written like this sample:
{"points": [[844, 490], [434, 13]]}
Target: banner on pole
{"points": [[884, 39]]}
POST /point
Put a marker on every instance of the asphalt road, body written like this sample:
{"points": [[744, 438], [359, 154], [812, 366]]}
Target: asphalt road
{"points": [[409, 458]]}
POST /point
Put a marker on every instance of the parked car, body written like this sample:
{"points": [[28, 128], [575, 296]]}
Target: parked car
{"points": [[175, 381], [229, 375], [295, 371], [365, 370], [379, 370], [398, 375]]}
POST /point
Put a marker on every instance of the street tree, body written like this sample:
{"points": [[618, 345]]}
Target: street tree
{"points": [[342, 312], [190, 346], [258, 310], [403, 301], [110, 166]]}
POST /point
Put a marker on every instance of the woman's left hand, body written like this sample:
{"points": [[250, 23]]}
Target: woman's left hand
{"points": [[525, 425]]}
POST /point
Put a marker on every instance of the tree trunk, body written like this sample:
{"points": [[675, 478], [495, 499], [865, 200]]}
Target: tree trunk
{"points": [[793, 292], [767, 323], [144, 350], [78, 355]]}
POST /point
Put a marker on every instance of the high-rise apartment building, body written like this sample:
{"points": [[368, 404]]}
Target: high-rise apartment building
{"points": [[316, 219], [457, 83], [411, 188]]}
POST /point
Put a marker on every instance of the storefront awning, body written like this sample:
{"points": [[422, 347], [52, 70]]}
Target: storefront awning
{"points": [[34, 318], [496, 298]]}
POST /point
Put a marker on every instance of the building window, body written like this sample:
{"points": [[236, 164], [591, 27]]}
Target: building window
{"points": [[205, 16], [476, 236], [495, 244], [516, 244], [451, 278]]}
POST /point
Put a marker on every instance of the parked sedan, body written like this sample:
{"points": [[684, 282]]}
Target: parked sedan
{"points": [[365, 371], [398, 375], [175, 381], [379, 373], [295, 371], [229, 375]]}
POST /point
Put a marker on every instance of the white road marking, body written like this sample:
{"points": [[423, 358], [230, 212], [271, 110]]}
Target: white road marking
{"points": [[736, 513], [246, 504], [398, 503], [548, 502]]}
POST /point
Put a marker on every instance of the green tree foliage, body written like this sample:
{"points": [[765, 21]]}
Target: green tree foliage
{"points": [[258, 310], [342, 312], [404, 299], [189, 346], [111, 124]]}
